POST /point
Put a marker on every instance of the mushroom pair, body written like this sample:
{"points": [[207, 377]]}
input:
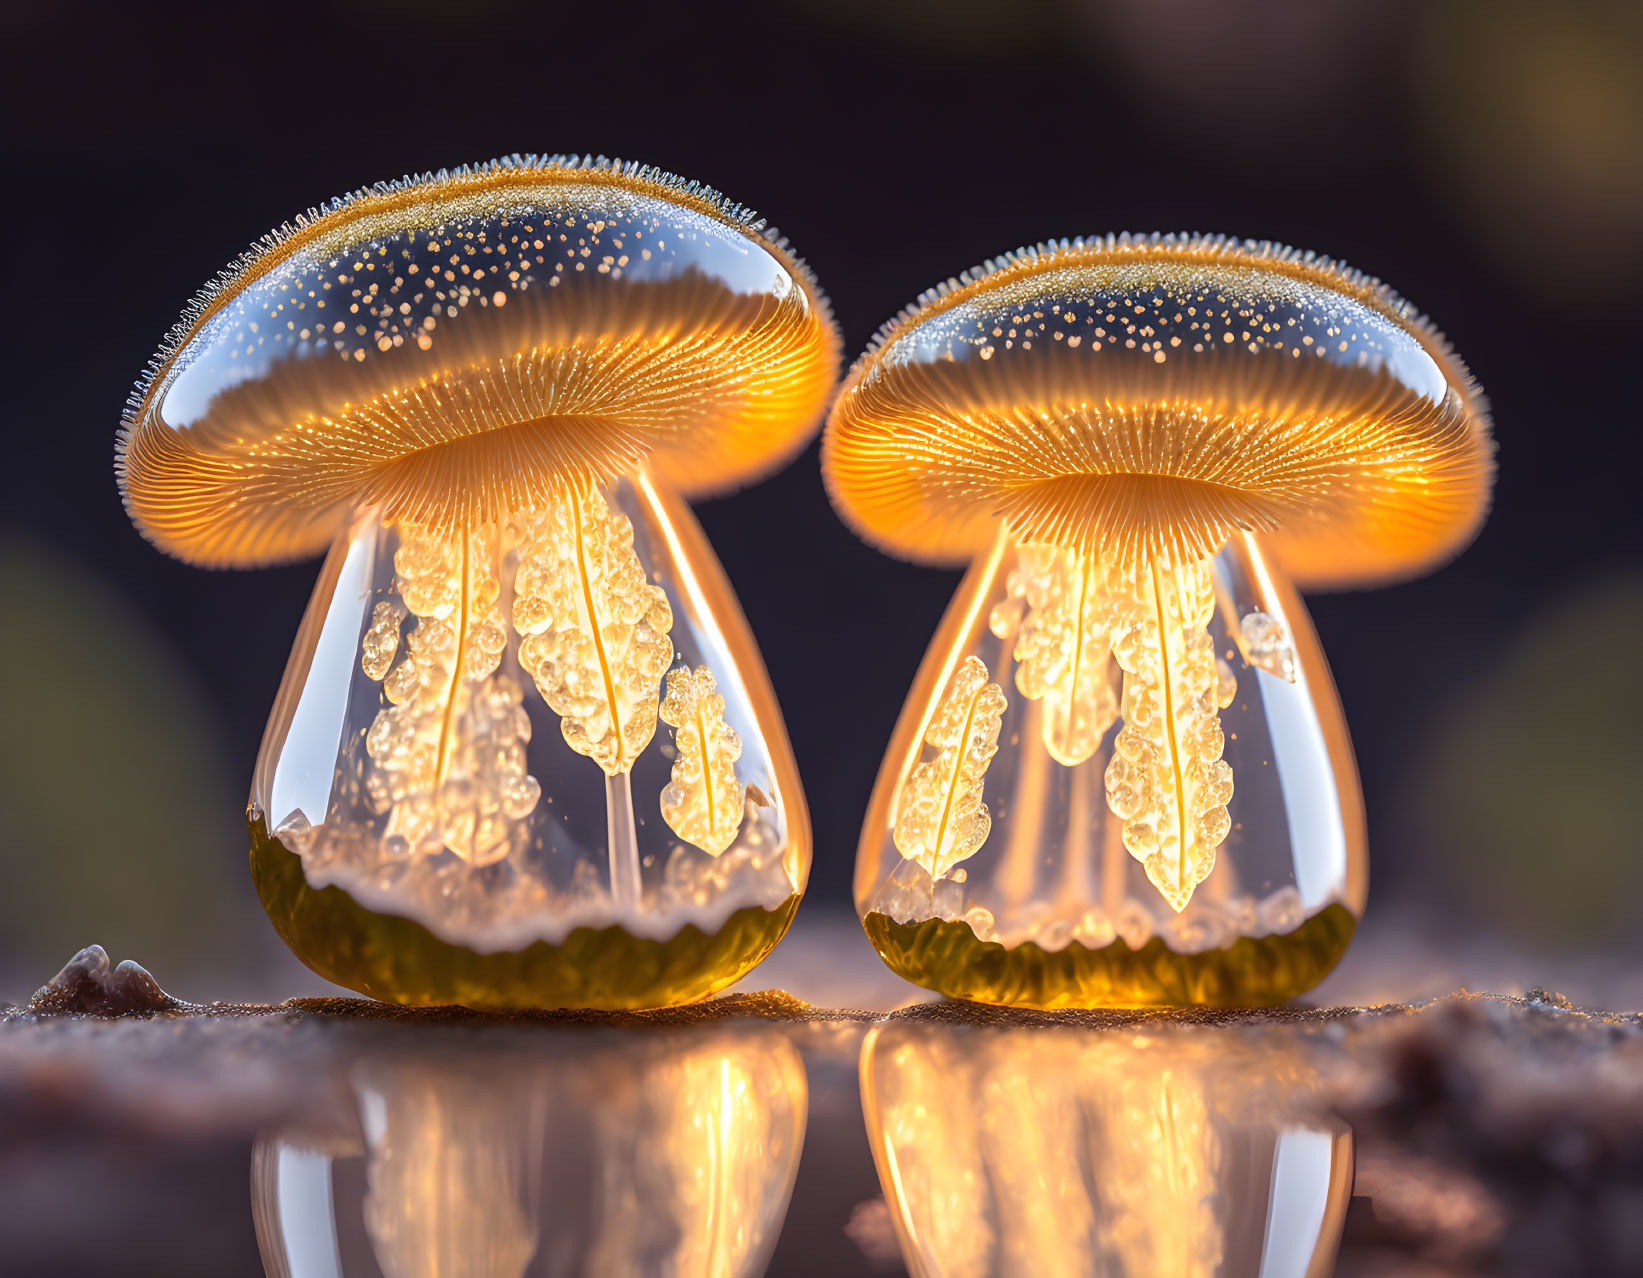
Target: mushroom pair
{"points": [[525, 752]]}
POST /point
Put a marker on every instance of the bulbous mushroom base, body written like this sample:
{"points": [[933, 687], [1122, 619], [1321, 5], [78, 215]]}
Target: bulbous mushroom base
{"points": [[946, 955], [398, 960], [531, 763], [1114, 787]]}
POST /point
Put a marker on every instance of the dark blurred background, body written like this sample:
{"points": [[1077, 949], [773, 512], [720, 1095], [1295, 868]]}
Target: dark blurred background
{"points": [[1483, 156]]}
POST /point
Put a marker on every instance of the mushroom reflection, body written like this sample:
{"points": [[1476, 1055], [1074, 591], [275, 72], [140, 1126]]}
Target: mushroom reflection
{"points": [[659, 1156], [1061, 1152]]}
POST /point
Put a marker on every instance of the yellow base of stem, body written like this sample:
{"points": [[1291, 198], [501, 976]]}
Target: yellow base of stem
{"points": [[948, 957], [399, 961]]}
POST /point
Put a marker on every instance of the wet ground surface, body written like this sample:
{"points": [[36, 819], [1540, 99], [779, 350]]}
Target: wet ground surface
{"points": [[1471, 1134]]}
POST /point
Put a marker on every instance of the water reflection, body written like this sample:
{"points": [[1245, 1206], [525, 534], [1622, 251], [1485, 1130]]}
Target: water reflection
{"points": [[1068, 1152], [668, 1154]]}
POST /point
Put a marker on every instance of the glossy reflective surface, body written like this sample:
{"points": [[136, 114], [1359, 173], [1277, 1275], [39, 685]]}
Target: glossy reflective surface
{"points": [[999, 1150], [1066, 1152], [1050, 828], [1155, 1138], [663, 1154], [539, 764]]}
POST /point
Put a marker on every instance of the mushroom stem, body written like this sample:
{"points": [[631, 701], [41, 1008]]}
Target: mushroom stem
{"points": [[625, 888]]}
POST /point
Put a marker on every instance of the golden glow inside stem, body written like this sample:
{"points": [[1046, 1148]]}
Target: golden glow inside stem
{"points": [[447, 751], [941, 818], [1166, 780], [594, 631], [703, 801], [1063, 647], [1078, 622]]}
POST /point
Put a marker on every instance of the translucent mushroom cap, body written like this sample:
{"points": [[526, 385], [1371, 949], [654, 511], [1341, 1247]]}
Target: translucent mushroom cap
{"points": [[1146, 397], [452, 346]]}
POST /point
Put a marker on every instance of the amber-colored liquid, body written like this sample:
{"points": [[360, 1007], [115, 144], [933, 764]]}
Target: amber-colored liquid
{"points": [[948, 957], [400, 961]]}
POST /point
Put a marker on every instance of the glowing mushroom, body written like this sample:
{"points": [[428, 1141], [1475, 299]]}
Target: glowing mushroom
{"points": [[487, 392], [1124, 728]]}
